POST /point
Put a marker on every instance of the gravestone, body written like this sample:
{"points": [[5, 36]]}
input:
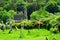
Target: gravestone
{"points": [[10, 27], [18, 17]]}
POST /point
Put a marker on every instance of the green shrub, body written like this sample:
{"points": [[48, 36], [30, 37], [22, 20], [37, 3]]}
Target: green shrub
{"points": [[26, 24], [2, 26], [54, 30], [16, 25], [36, 23], [39, 14], [47, 25], [7, 26]]}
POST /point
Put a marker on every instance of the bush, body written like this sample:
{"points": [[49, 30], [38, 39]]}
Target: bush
{"points": [[55, 20], [16, 25], [47, 25], [54, 30], [2, 26], [36, 23], [4, 15], [7, 27], [39, 14], [26, 24]]}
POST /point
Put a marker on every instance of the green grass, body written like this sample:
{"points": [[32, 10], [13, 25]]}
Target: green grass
{"points": [[32, 35]]}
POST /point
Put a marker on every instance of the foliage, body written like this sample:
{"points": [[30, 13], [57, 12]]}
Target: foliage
{"points": [[54, 30], [45, 13], [54, 20], [26, 23], [39, 14], [20, 7], [4, 15], [11, 12], [52, 8], [36, 23], [35, 11], [16, 25], [31, 8]]}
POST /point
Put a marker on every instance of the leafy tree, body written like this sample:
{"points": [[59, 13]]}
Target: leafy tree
{"points": [[20, 7], [4, 16], [39, 14], [12, 13], [52, 8], [32, 8]]}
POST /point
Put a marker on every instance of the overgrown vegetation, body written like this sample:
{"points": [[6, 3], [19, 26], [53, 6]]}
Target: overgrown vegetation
{"points": [[42, 14]]}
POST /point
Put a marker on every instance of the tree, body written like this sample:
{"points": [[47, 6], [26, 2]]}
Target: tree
{"points": [[20, 7], [28, 0], [32, 8], [52, 8], [10, 5], [5, 16]]}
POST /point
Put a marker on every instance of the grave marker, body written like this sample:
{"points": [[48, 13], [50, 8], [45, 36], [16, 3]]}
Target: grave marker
{"points": [[18, 17], [10, 27]]}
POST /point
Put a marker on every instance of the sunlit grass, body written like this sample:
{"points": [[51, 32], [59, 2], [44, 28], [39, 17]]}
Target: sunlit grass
{"points": [[34, 34]]}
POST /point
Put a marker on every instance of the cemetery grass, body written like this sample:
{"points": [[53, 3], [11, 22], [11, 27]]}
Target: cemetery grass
{"points": [[34, 34]]}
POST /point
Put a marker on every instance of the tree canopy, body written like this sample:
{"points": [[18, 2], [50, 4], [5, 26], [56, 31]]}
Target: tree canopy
{"points": [[11, 7]]}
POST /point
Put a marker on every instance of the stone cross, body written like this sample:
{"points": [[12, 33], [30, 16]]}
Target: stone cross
{"points": [[10, 27]]}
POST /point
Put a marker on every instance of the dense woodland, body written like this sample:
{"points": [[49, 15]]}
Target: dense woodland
{"points": [[36, 9]]}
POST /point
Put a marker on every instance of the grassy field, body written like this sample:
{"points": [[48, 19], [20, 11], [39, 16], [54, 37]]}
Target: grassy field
{"points": [[34, 34]]}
